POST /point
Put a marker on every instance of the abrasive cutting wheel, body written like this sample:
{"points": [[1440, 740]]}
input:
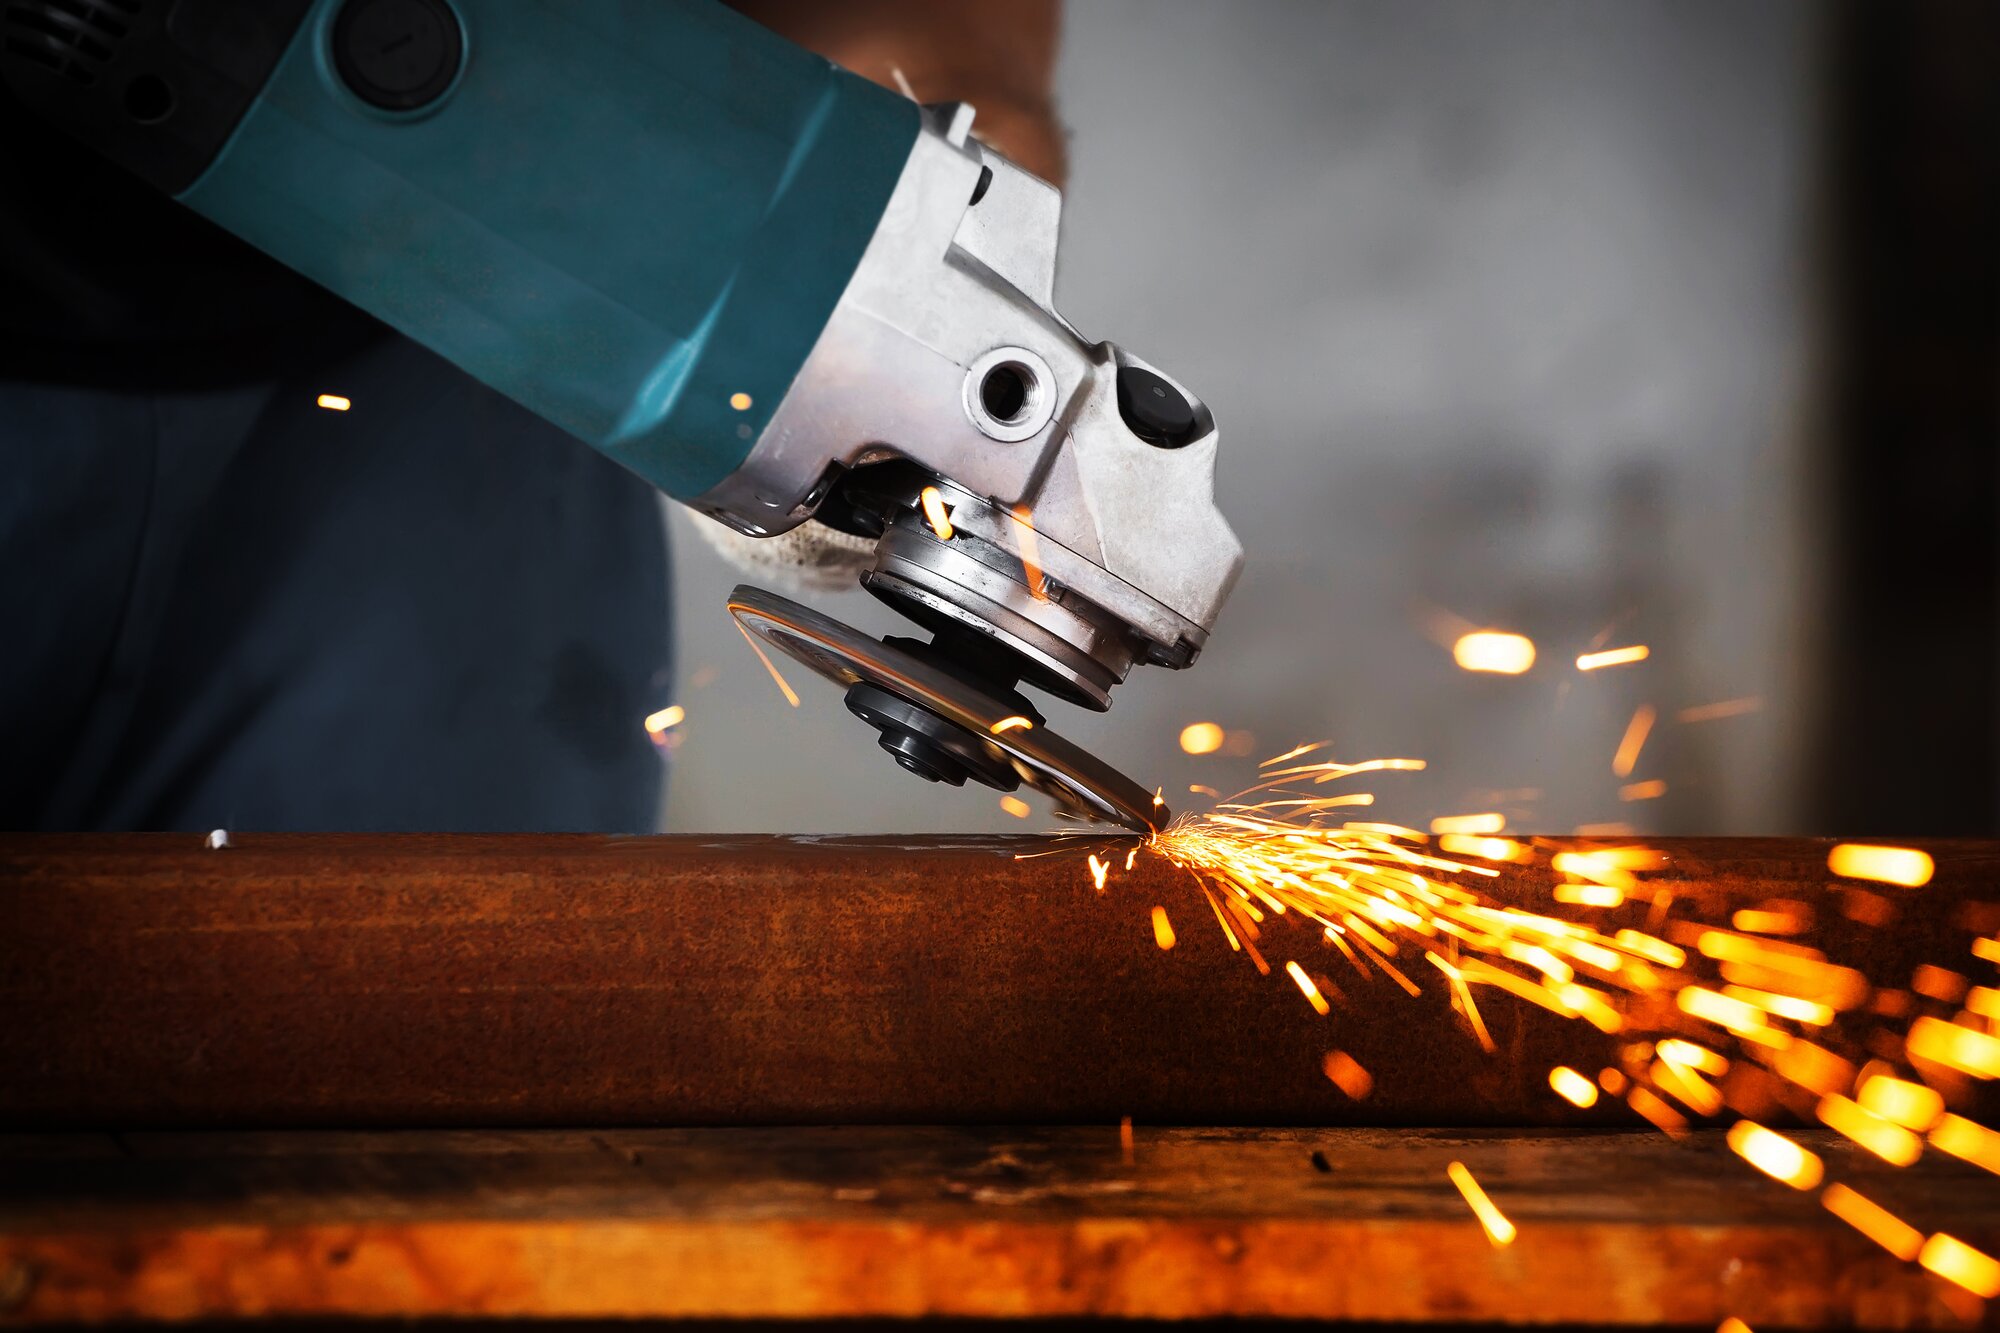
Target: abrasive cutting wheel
{"points": [[941, 719]]}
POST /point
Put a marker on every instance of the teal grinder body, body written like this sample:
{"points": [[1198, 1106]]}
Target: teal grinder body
{"points": [[633, 217]]}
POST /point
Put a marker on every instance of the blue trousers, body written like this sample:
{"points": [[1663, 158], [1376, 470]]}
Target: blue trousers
{"points": [[233, 608]]}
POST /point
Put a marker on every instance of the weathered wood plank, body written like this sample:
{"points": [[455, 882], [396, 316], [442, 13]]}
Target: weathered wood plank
{"points": [[399, 981], [1614, 1229]]}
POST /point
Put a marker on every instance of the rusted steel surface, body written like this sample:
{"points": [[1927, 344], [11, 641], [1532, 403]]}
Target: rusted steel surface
{"points": [[361, 980], [1614, 1229]]}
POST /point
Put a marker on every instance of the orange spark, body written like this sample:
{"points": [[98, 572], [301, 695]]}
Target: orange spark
{"points": [[1201, 738], [1346, 1073], [1719, 1009], [1911, 1105], [1676, 1051], [1887, 1140], [1612, 657], [1591, 1006], [1313, 997], [1722, 708], [1636, 731], [935, 512], [1654, 1108], [1486, 849], [1491, 822], [1813, 1068], [1770, 920], [1014, 806], [1870, 909], [1810, 1012], [1329, 771], [1031, 554], [1955, 1261], [1588, 895], [740, 401], [665, 720], [1891, 1003], [1125, 1138], [1956, 1047], [1007, 724], [1874, 1221], [1293, 753], [1649, 790], [1498, 1229], [1163, 929], [1687, 1087], [1939, 983], [791, 697], [1375, 826], [1494, 651], [1968, 1141], [333, 402], [1098, 870], [1611, 867], [1886, 865], [1775, 1155], [1573, 1087], [1656, 951]]}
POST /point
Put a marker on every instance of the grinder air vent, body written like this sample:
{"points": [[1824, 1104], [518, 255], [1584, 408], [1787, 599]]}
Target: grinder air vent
{"points": [[74, 38]]}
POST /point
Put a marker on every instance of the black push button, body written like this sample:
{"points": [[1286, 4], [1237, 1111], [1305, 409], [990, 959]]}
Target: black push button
{"points": [[397, 54], [1153, 408]]}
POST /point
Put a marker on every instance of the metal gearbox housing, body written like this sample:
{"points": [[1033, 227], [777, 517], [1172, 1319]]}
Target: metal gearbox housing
{"points": [[1082, 535]]}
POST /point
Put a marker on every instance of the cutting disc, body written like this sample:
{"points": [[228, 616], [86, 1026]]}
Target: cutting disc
{"points": [[1079, 783]]}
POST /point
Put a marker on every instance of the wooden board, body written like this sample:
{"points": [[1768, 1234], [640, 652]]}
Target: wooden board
{"points": [[345, 981], [1614, 1229]]}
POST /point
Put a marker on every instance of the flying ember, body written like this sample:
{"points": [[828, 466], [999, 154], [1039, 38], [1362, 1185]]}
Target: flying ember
{"points": [[1494, 651]]}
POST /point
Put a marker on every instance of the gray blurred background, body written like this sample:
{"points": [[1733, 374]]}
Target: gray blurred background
{"points": [[1512, 316]]}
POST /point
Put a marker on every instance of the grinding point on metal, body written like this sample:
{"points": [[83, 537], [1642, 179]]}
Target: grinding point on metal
{"points": [[941, 720]]}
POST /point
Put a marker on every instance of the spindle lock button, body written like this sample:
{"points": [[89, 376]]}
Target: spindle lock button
{"points": [[1155, 410], [399, 55]]}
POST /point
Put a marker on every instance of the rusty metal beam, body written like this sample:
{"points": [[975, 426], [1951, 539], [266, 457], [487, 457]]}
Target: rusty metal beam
{"points": [[410, 981], [1614, 1229]]}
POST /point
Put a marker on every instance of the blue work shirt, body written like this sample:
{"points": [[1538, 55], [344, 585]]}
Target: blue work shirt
{"points": [[224, 605]]}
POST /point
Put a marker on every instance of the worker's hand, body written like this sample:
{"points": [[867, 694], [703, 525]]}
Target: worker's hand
{"points": [[999, 55]]}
